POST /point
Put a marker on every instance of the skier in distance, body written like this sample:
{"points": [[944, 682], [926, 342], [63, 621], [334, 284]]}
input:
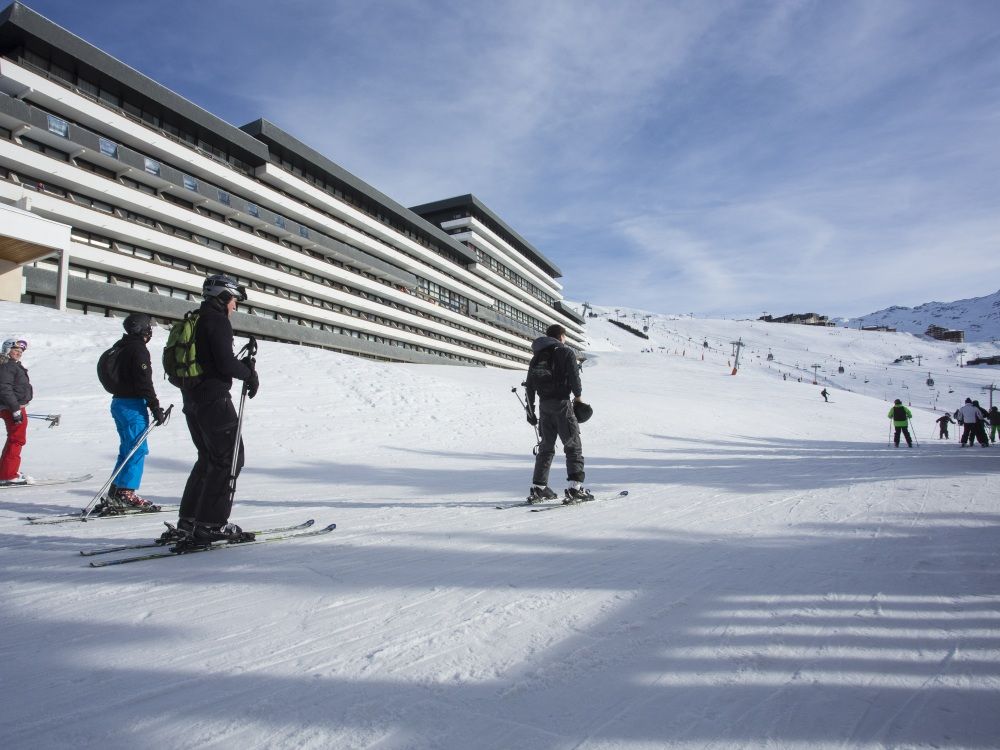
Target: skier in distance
{"points": [[901, 416], [554, 376]]}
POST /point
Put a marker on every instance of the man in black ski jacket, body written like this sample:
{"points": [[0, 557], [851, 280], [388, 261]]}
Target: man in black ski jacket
{"points": [[212, 419], [554, 376]]}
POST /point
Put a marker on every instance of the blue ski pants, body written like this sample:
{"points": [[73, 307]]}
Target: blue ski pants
{"points": [[131, 419]]}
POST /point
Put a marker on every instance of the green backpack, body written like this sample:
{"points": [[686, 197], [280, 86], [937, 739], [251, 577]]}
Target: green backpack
{"points": [[180, 364]]}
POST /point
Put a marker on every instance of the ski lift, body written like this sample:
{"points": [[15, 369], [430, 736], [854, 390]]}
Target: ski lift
{"points": [[930, 380], [841, 368], [770, 357]]}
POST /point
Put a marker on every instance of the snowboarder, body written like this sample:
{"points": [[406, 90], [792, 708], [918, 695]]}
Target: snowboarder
{"points": [[212, 419], [15, 395], [994, 417], [554, 376], [824, 394], [972, 418], [901, 416], [943, 423], [132, 395]]}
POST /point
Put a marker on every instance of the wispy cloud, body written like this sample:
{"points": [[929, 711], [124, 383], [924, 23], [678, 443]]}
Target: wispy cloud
{"points": [[722, 157]]}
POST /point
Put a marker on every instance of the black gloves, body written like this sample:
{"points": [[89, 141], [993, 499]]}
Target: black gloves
{"points": [[532, 419], [252, 383], [159, 416]]}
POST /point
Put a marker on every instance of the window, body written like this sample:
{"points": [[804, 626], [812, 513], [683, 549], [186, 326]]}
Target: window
{"points": [[224, 197], [109, 148], [253, 210], [58, 126], [303, 231], [152, 166], [279, 221], [190, 182]]}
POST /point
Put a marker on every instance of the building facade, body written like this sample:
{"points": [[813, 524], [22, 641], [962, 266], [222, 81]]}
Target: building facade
{"points": [[155, 193]]}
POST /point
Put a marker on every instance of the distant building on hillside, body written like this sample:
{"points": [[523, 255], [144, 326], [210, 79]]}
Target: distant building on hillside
{"points": [[806, 319], [884, 329], [994, 360], [944, 334]]}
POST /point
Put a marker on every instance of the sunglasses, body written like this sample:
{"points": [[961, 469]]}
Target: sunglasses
{"points": [[21, 344]]}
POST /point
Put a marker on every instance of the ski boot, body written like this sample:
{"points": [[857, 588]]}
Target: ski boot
{"points": [[129, 499], [574, 495], [206, 534], [175, 534], [109, 505], [538, 494]]}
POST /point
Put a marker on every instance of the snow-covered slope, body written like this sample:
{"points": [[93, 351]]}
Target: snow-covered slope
{"points": [[979, 317], [778, 576]]}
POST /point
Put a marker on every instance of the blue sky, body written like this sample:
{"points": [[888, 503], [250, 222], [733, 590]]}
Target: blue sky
{"points": [[715, 157]]}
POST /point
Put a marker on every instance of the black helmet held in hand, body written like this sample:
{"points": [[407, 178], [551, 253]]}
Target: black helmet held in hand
{"points": [[224, 287], [140, 324], [582, 411]]}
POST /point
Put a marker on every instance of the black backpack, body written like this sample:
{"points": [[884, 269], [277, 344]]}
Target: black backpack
{"points": [[899, 413], [109, 369], [544, 374]]}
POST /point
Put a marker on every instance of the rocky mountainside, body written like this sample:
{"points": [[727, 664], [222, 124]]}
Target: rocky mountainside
{"points": [[979, 317]]}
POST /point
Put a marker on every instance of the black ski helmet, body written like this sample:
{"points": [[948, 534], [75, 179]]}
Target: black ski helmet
{"points": [[224, 287], [138, 323], [582, 411]]}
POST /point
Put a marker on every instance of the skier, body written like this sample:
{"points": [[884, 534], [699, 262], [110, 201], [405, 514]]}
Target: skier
{"points": [[972, 417], [554, 376], [15, 395], [901, 416], [994, 417], [212, 420], [824, 394], [133, 395], [943, 423]]}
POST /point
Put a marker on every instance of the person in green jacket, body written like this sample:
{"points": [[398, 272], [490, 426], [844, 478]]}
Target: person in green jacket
{"points": [[901, 417]]}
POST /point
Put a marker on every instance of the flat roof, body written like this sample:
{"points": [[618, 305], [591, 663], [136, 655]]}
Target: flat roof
{"points": [[269, 133], [18, 21], [472, 203]]}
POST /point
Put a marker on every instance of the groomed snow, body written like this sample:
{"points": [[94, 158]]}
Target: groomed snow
{"points": [[779, 575]]}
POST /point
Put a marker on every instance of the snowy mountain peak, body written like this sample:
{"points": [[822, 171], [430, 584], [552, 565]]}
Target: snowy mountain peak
{"points": [[979, 317]]}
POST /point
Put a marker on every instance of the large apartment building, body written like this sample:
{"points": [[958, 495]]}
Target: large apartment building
{"points": [[119, 195]]}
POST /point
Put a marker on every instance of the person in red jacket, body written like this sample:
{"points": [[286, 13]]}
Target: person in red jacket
{"points": [[15, 395]]}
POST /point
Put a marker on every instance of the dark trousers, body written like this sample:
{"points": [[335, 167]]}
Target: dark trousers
{"points": [[944, 431], [906, 433], [213, 431], [974, 431], [556, 419]]}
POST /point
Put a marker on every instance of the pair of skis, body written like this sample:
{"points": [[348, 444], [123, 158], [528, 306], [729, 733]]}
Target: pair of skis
{"points": [[538, 507], [278, 534]]}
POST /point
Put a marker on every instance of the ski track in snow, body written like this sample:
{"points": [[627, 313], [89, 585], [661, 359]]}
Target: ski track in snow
{"points": [[779, 576]]}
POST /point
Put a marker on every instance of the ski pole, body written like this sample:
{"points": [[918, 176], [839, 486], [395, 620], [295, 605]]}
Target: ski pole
{"points": [[538, 438], [52, 419], [913, 429], [118, 468], [247, 354]]}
